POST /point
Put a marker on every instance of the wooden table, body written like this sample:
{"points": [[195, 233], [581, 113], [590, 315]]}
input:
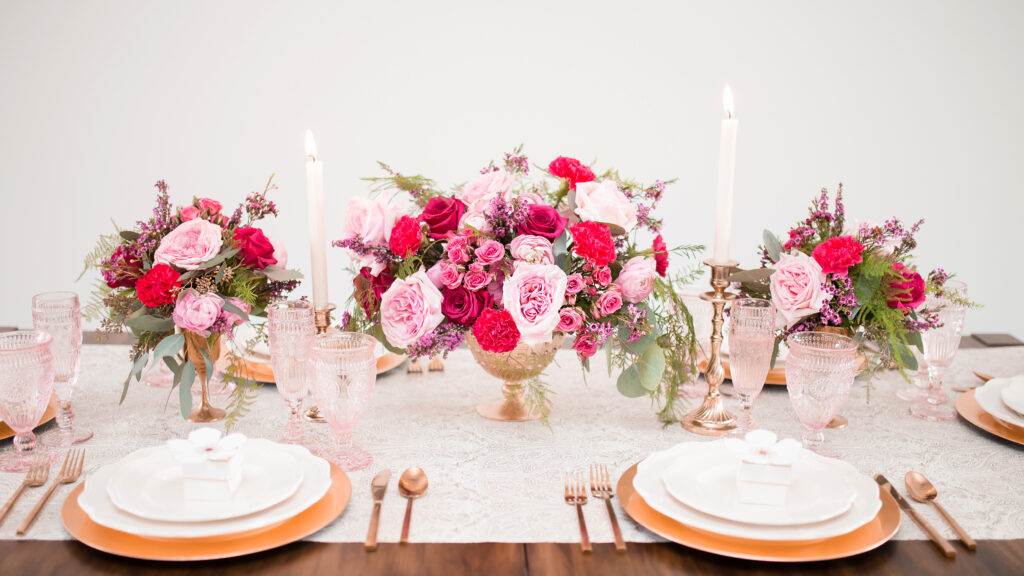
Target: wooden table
{"points": [[999, 557]]}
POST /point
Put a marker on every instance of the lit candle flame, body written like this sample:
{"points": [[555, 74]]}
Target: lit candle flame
{"points": [[727, 100], [310, 145]]}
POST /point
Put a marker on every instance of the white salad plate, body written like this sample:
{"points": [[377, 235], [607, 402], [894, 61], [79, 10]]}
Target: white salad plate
{"points": [[95, 501], [152, 486], [990, 398], [706, 480], [650, 486], [1013, 395]]}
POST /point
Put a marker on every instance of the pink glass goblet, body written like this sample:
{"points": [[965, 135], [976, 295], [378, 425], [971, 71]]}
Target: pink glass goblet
{"points": [[940, 346], [26, 383], [820, 370], [918, 388], [344, 370], [59, 314], [751, 342], [291, 327]]}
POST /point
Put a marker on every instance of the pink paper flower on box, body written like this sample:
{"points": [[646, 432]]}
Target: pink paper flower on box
{"points": [[190, 244], [410, 309], [533, 295], [796, 287]]}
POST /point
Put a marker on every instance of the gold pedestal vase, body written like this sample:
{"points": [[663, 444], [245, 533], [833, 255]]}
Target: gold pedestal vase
{"points": [[195, 346], [522, 363]]}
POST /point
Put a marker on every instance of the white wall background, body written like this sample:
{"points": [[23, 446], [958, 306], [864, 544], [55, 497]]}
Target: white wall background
{"points": [[914, 106]]}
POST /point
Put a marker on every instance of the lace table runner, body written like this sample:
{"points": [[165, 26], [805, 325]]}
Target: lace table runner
{"points": [[502, 482]]}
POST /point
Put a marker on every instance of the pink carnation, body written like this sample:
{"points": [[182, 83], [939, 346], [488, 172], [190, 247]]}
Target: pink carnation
{"points": [[837, 255]]}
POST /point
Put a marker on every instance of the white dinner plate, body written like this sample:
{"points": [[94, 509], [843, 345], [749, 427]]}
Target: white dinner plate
{"points": [[706, 480], [649, 485], [94, 500], [153, 487], [1013, 395], [990, 398]]}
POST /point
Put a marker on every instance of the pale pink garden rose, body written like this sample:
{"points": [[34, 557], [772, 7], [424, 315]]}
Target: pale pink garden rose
{"points": [[490, 252], [569, 320], [195, 312], [603, 276], [449, 275], [434, 273], [188, 213], [280, 254], [410, 309], [190, 244], [477, 195], [528, 197], [636, 281], [371, 219], [532, 249], [533, 296], [475, 280], [574, 283], [604, 202], [474, 221], [796, 288], [608, 303]]}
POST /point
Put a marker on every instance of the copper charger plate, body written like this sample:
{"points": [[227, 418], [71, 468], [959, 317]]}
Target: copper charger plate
{"points": [[775, 375], [264, 372], [971, 411], [93, 535], [863, 539], [49, 414]]}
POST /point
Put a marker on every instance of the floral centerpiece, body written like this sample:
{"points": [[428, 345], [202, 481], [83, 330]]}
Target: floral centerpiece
{"points": [[513, 263], [184, 278], [857, 279]]}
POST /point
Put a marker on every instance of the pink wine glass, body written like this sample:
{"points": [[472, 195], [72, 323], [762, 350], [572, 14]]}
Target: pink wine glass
{"points": [[940, 346], [26, 383], [59, 314], [820, 370], [751, 342], [344, 370], [291, 327]]}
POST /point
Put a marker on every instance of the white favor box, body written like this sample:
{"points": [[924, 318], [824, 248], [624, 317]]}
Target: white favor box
{"points": [[212, 479], [765, 467], [763, 494]]}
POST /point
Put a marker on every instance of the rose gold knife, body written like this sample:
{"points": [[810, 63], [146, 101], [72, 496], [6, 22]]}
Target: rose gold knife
{"points": [[936, 538], [379, 487]]}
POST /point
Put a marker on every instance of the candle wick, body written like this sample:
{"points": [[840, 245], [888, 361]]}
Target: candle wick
{"points": [[311, 157]]}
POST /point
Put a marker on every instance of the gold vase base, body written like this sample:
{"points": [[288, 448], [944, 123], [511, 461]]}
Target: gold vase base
{"points": [[710, 419], [207, 413], [505, 411], [837, 423]]}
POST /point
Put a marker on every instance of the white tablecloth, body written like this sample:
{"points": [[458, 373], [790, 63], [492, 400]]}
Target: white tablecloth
{"points": [[502, 482]]}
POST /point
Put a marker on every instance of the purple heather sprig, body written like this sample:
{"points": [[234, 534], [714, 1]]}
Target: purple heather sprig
{"points": [[381, 254], [635, 322], [599, 332], [503, 217], [446, 337], [517, 163]]}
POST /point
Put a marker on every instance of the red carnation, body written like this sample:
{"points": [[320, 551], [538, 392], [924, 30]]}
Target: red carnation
{"points": [[369, 288], [837, 255], [572, 170], [906, 291], [254, 248], [159, 286], [593, 242], [405, 236], [660, 255], [496, 331]]}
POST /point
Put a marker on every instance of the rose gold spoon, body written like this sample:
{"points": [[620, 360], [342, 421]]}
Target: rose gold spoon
{"points": [[922, 490], [411, 485]]}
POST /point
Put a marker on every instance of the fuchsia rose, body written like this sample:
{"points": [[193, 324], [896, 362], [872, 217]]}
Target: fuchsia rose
{"points": [[796, 288], [660, 255], [906, 290], [490, 252], [410, 309], [477, 195], [280, 254], [533, 296], [637, 279], [449, 275], [196, 313], [569, 320], [837, 255], [543, 220], [574, 283], [585, 346], [442, 215], [463, 306], [190, 244], [188, 213], [476, 280], [605, 203], [208, 205], [370, 219], [532, 249], [608, 303], [255, 250], [603, 276]]}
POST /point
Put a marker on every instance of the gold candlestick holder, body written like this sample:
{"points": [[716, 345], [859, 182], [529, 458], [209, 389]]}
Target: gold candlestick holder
{"points": [[711, 418], [323, 324]]}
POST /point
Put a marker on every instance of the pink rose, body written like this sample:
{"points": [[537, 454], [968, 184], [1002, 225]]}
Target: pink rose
{"points": [[434, 273], [370, 219], [280, 254], [449, 275], [188, 213], [496, 288], [574, 283], [211, 206], [532, 249], [477, 195], [190, 244], [608, 303], [637, 278], [603, 276], [458, 250], [410, 309], [195, 312], [476, 279], [491, 252], [796, 288], [584, 346], [604, 203], [533, 295], [528, 197], [231, 319], [569, 320]]}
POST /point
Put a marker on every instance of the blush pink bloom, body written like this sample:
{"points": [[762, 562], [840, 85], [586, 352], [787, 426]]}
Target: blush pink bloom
{"points": [[434, 273], [608, 303], [533, 295], [477, 195], [796, 288], [458, 250], [195, 312], [574, 283], [211, 206], [604, 202], [528, 198], [603, 276], [476, 280], [449, 275], [280, 254], [188, 213], [410, 309], [584, 346], [371, 219], [490, 252], [230, 318], [532, 249], [637, 279], [190, 244], [569, 320]]}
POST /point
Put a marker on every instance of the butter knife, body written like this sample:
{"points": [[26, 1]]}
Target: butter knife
{"points": [[379, 487], [937, 539]]}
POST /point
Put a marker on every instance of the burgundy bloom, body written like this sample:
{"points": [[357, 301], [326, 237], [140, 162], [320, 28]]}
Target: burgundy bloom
{"points": [[837, 255], [660, 255], [543, 220], [442, 215], [906, 289], [255, 249], [369, 288], [496, 331], [571, 170], [405, 237], [124, 268], [158, 286], [463, 306]]}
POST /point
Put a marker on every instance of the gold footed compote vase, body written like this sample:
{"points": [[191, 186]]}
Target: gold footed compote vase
{"points": [[522, 363], [195, 347]]}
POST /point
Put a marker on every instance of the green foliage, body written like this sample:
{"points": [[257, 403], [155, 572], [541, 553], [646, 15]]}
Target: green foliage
{"points": [[188, 377], [772, 245], [420, 187], [536, 398], [105, 246], [243, 397], [644, 375]]}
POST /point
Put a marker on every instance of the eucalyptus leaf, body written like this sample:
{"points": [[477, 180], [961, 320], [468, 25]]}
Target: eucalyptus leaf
{"points": [[629, 384], [169, 346], [755, 275], [775, 353], [772, 245], [378, 332], [914, 339], [129, 235], [645, 372], [149, 324], [218, 259], [558, 249], [188, 376], [173, 366], [226, 305], [608, 355], [281, 275], [635, 348], [124, 390], [139, 365], [208, 364]]}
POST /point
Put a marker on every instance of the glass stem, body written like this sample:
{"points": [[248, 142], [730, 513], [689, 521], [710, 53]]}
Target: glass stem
{"points": [[25, 446], [935, 394], [813, 438], [342, 443], [294, 428], [746, 421], [65, 416]]}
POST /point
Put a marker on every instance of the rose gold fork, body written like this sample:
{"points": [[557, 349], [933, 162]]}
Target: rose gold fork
{"points": [[601, 487], [576, 495], [69, 473], [414, 367], [38, 472]]}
